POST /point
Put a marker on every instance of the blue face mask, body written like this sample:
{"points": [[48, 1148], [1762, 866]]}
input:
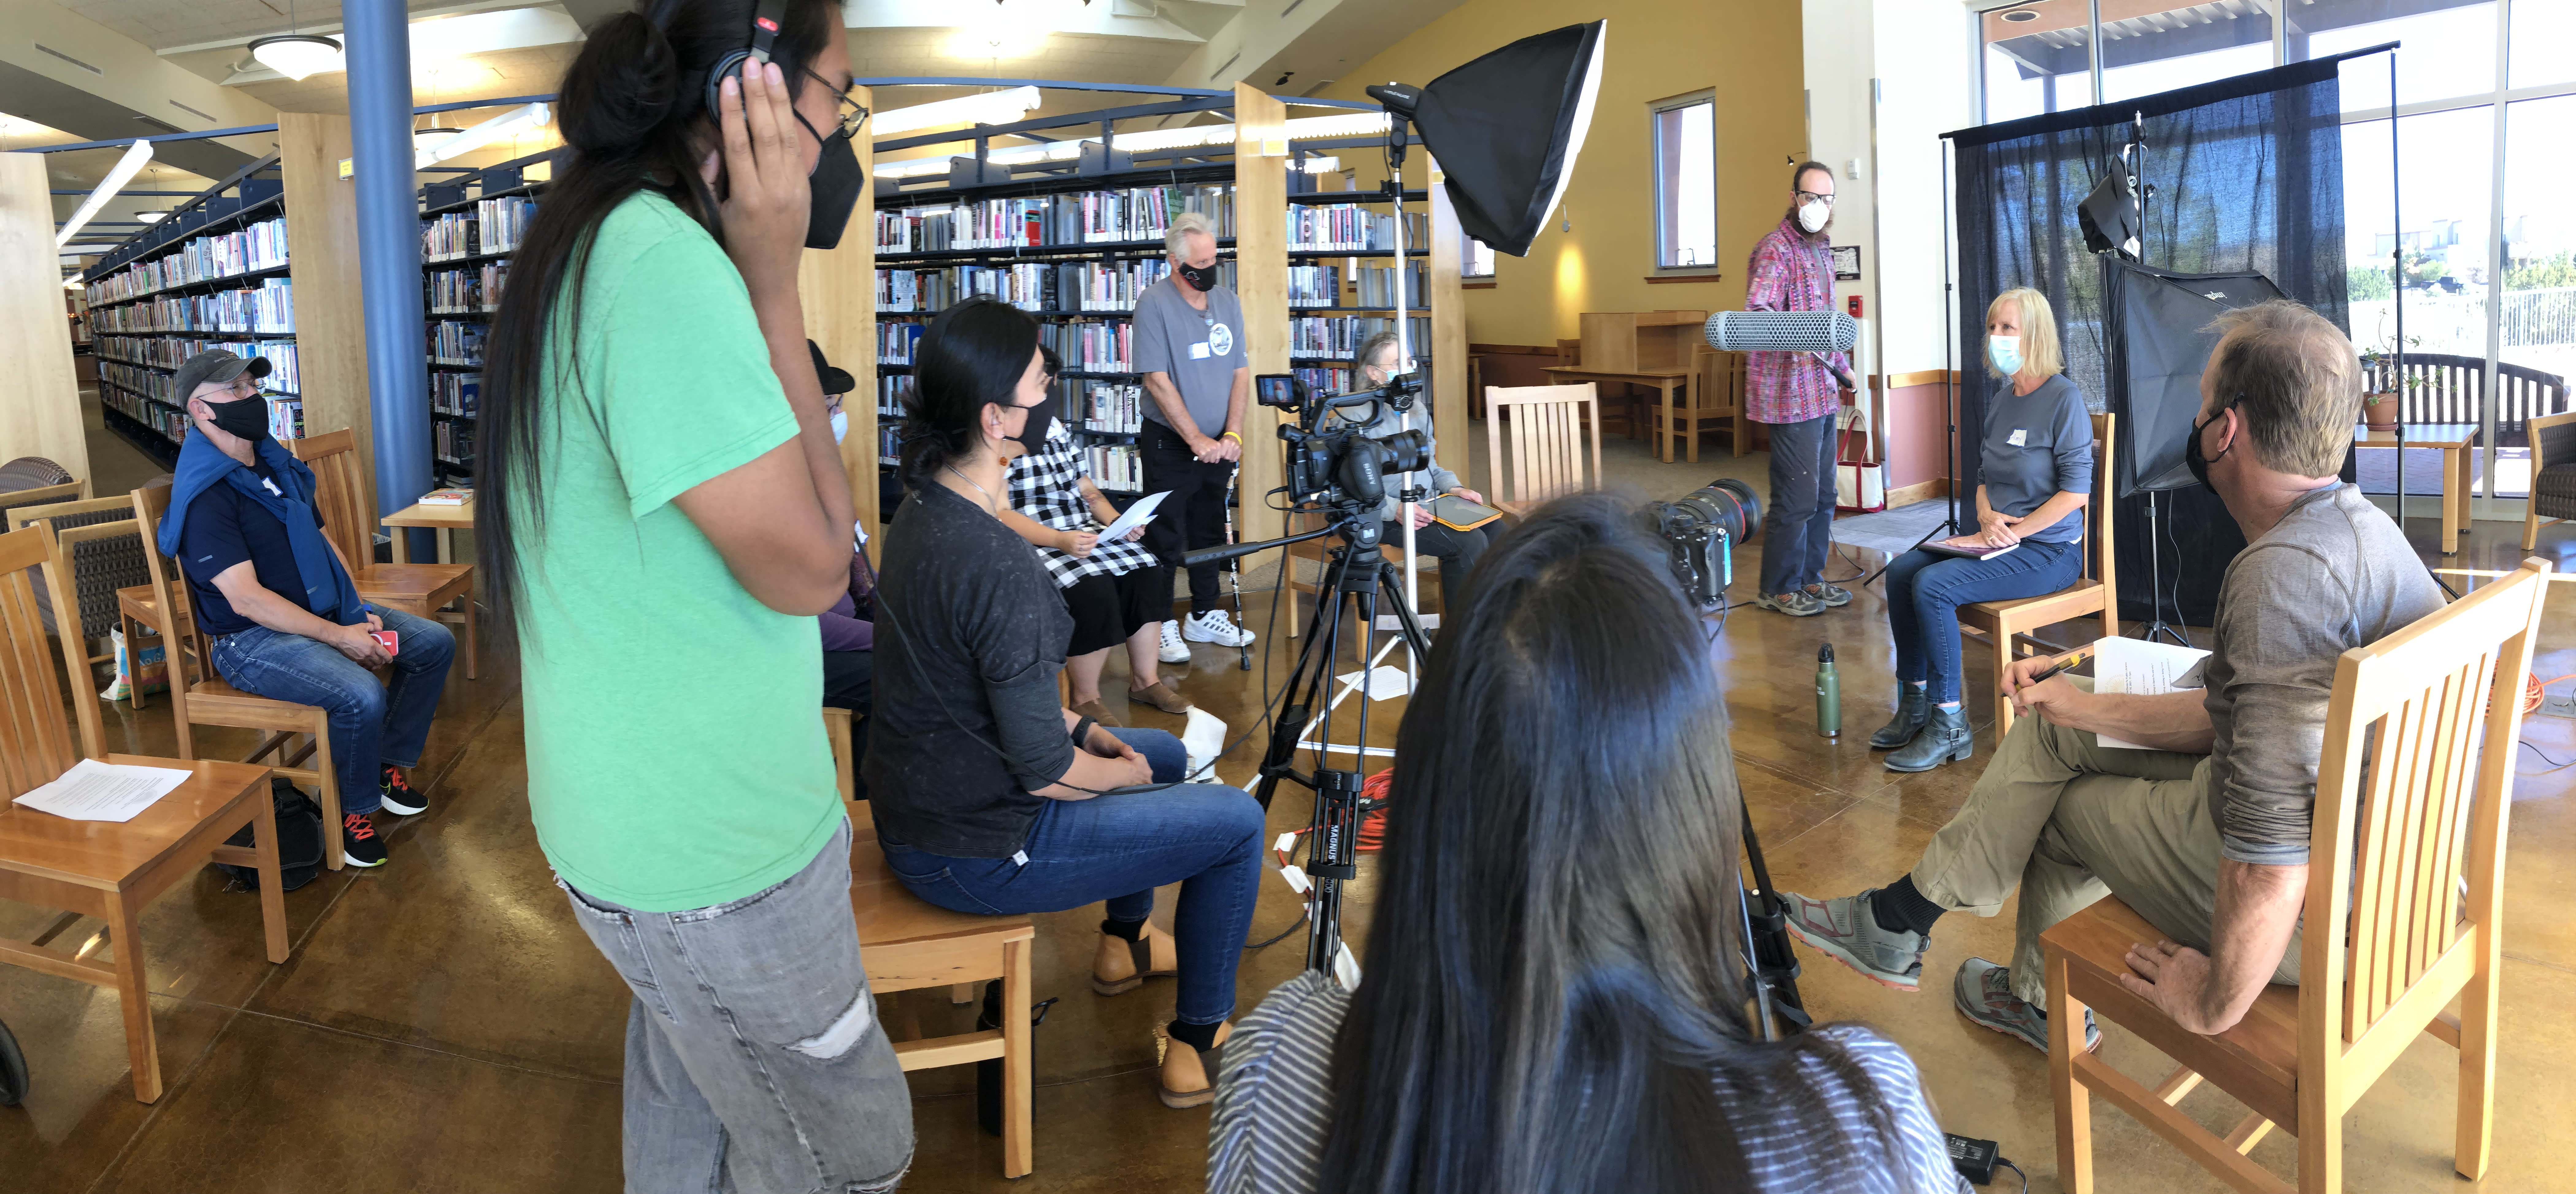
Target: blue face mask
{"points": [[2005, 353]]}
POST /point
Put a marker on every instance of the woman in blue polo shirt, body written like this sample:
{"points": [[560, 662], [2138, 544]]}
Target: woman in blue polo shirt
{"points": [[2037, 475]]}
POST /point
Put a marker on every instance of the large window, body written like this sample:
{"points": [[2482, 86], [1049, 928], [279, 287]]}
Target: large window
{"points": [[1685, 130], [1477, 261], [2480, 236]]}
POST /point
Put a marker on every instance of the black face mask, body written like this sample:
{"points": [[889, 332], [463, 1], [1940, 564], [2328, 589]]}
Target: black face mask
{"points": [[243, 418], [834, 189], [1034, 429], [1201, 277], [2191, 456]]}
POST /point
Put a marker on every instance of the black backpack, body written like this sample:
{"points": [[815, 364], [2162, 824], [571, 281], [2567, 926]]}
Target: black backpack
{"points": [[299, 840]]}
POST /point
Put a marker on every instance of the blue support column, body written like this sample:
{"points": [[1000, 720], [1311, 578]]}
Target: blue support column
{"points": [[378, 36]]}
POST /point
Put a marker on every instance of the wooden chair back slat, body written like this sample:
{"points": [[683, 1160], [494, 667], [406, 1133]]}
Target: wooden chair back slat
{"points": [[35, 743], [2436, 710], [1536, 440], [349, 521], [151, 504], [2100, 557]]}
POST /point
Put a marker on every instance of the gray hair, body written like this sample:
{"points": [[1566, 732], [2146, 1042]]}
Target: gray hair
{"points": [[1182, 225], [1369, 349], [2295, 380]]}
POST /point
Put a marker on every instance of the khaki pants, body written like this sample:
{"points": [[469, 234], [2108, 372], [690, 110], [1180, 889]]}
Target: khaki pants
{"points": [[2070, 822]]}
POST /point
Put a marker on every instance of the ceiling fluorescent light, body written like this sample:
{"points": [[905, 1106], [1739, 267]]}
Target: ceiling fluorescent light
{"points": [[126, 168], [991, 107], [516, 120], [297, 55], [150, 217]]}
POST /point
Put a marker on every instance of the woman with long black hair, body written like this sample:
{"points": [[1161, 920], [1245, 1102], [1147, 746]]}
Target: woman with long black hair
{"points": [[1554, 997], [990, 796], [662, 514]]}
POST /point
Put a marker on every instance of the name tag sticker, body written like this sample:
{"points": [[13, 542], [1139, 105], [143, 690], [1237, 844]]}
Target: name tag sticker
{"points": [[1199, 351], [2019, 438]]}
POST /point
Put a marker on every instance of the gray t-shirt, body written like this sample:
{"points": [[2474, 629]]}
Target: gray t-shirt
{"points": [[2332, 575], [2036, 445], [1199, 350]]}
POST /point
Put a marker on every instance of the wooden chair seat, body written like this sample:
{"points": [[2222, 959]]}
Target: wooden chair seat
{"points": [[106, 869], [2257, 1061]]}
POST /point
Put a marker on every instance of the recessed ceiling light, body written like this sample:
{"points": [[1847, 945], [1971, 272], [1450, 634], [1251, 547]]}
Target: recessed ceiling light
{"points": [[297, 55], [150, 217], [2021, 16]]}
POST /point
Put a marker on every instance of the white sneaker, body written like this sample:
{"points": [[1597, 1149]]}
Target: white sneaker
{"points": [[1214, 627], [1174, 650]]}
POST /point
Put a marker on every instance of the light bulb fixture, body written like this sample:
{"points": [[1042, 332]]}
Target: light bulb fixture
{"points": [[431, 134], [299, 55], [2021, 16], [126, 168], [990, 107], [516, 120], [150, 217]]}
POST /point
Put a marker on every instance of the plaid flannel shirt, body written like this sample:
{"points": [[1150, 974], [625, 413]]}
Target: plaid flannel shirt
{"points": [[1047, 486], [1790, 273]]}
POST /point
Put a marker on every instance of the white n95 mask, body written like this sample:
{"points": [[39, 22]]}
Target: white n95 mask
{"points": [[1812, 216], [840, 425]]}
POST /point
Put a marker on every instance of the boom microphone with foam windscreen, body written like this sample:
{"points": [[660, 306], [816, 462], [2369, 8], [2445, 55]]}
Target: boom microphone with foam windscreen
{"points": [[1819, 332]]}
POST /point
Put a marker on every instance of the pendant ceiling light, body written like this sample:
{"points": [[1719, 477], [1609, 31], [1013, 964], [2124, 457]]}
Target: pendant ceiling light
{"points": [[297, 55]]}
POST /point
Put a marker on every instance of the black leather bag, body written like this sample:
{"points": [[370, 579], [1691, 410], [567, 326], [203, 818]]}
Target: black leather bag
{"points": [[299, 839]]}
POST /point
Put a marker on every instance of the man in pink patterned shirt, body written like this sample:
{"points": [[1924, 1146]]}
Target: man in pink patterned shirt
{"points": [[1794, 392]]}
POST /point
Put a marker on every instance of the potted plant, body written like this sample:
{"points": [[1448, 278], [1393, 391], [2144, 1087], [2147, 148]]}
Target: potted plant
{"points": [[2383, 385]]}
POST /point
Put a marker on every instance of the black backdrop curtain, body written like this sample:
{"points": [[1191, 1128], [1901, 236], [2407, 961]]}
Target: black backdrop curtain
{"points": [[2248, 175]]}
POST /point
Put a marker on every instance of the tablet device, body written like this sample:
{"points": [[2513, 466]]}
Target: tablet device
{"points": [[1459, 514]]}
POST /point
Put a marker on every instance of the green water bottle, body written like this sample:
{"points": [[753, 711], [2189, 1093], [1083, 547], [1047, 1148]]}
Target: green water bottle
{"points": [[1829, 694]]}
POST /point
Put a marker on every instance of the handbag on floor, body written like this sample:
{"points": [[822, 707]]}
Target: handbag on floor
{"points": [[299, 839]]}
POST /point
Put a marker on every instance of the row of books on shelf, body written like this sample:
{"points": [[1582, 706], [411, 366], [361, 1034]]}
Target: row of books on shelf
{"points": [[467, 291], [1103, 405], [889, 445], [204, 259], [1342, 335], [453, 441], [285, 372], [1351, 228], [1118, 467], [490, 226], [1328, 379], [268, 307], [456, 342], [1372, 285], [456, 393], [1073, 218], [1054, 286], [895, 340], [1092, 345], [893, 391]]}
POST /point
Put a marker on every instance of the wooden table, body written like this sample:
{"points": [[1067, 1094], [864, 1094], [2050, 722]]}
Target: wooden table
{"points": [[447, 520], [1664, 381], [2455, 440]]}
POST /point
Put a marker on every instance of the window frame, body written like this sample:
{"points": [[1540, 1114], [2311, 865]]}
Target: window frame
{"points": [[1655, 110]]}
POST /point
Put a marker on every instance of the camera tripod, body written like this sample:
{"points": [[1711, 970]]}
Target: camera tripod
{"points": [[1354, 576], [1770, 966]]}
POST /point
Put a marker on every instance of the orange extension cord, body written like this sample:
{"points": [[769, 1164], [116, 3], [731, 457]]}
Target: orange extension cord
{"points": [[2531, 693]]}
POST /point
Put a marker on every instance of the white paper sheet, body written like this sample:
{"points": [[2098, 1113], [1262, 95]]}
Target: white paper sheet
{"points": [[96, 791], [1136, 516], [1383, 682], [1204, 740], [2139, 668]]}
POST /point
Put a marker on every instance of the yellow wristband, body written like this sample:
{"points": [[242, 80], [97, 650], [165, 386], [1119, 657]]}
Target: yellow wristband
{"points": [[1232, 436]]}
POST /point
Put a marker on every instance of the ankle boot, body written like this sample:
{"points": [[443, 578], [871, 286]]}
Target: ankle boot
{"points": [[1911, 701], [1944, 737]]}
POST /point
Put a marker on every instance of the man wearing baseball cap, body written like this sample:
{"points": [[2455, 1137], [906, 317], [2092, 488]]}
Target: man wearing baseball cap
{"points": [[275, 599]]}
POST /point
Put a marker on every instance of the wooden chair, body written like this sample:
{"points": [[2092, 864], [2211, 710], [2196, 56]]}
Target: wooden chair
{"points": [[61, 545], [208, 700], [73, 523], [907, 943], [105, 869], [2405, 904], [1548, 425], [2006, 625], [349, 521], [1720, 399], [2553, 475]]}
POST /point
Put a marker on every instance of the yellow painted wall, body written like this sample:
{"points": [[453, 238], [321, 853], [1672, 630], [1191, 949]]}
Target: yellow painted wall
{"points": [[1747, 50]]}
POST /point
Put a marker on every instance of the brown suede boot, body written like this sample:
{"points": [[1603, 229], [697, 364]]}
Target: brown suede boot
{"points": [[1189, 1076], [1119, 965]]}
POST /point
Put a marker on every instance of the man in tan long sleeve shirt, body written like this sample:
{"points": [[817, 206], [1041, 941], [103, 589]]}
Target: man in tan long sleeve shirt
{"points": [[2206, 834]]}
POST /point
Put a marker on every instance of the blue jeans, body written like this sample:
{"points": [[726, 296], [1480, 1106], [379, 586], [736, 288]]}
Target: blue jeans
{"points": [[1925, 591], [372, 724], [1119, 849], [754, 1060]]}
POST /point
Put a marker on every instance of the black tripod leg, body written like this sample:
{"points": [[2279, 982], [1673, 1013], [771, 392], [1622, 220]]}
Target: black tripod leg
{"points": [[1305, 687], [1391, 583], [1775, 963]]}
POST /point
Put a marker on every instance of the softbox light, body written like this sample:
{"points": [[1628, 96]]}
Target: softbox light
{"points": [[1506, 128], [2158, 344], [2109, 216]]}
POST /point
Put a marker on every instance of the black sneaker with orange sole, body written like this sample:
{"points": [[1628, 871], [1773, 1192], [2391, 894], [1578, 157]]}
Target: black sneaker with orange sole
{"points": [[397, 796], [360, 844]]}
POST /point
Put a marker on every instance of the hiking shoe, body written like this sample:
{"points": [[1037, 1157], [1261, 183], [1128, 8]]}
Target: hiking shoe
{"points": [[397, 795], [1214, 627], [360, 845], [1847, 931], [1798, 604], [1945, 736], [1984, 994], [1174, 650], [1913, 705], [1831, 596]]}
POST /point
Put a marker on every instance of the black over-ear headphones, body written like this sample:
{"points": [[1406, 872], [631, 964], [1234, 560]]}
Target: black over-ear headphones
{"points": [[709, 84]]}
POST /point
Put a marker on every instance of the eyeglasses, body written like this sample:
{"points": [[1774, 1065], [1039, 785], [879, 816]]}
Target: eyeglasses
{"points": [[852, 112], [1827, 200]]}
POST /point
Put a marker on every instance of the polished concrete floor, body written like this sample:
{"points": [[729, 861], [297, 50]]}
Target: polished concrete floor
{"points": [[442, 1024]]}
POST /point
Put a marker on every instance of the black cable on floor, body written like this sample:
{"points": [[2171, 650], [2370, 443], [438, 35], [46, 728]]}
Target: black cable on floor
{"points": [[2001, 1163], [2554, 765], [1283, 934]]}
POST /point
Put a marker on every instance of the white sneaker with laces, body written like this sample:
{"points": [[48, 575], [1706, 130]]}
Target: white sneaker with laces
{"points": [[1174, 650], [1214, 627]]}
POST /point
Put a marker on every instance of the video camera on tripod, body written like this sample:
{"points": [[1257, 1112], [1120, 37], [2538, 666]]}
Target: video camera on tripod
{"points": [[1340, 470]]}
